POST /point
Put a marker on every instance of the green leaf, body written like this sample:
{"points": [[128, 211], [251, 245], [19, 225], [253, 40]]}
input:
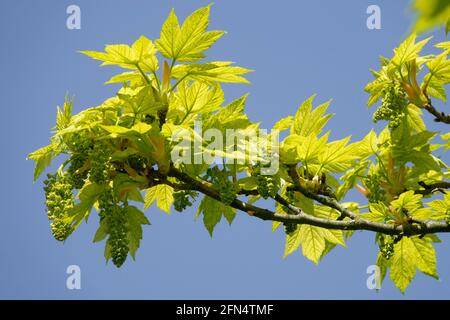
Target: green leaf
{"points": [[88, 196], [163, 195], [283, 124], [135, 220], [136, 131], [212, 211], [409, 254], [414, 118], [64, 115], [102, 231], [315, 241], [43, 158], [403, 266], [211, 72], [126, 188], [409, 201], [308, 121], [125, 77], [378, 212], [384, 264], [140, 55], [441, 208], [194, 99], [231, 116], [229, 213], [338, 156], [139, 100], [187, 43], [426, 256], [248, 183], [408, 50]]}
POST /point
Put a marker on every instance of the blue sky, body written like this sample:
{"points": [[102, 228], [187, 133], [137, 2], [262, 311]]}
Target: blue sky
{"points": [[296, 47]]}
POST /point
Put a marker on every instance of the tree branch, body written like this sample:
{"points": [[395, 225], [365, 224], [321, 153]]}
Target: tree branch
{"points": [[325, 200], [299, 217], [433, 187], [439, 116]]}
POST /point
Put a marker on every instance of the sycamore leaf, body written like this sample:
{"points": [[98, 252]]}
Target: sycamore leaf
{"points": [[439, 76], [43, 158], [217, 71], [338, 156], [414, 118], [384, 265], [139, 100], [135, 220], [403, 267], [231, 116], [102, 231], [409, 201], [163, 195], [441, 208], [409, 254], [408, 50], [426, 256], [212, 211], [64, 115], [283, 124], [126, 188], [88, 195], [308, 121], [378, 212], [376, 87], [131, 76], [191, 100], [188, 42], [315, 241], [137, 130], [140, 55]]}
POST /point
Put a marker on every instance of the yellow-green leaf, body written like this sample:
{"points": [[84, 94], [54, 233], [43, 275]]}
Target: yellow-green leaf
{"points": [[141, 54], [187, 43], [163, 194]]}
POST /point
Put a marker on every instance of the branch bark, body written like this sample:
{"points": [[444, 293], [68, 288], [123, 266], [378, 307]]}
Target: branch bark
{"points": [[355, 222], [433, 187], [438, 116]]}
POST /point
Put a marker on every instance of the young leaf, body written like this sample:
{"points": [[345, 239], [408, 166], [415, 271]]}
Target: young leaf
{"points": [[163, 194], [190, 41], [212, 211], [140, 55], [211, 72], [135, 220], [308, 121], [403, 264], [43, 158], [408, 50]]}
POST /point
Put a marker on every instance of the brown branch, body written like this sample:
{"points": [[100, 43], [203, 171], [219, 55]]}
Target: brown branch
{"points": [[432, 188], [299, 217], [439, 116]]}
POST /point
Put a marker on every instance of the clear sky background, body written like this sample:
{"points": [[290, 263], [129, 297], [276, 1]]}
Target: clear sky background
{"points": [[296, 47]]}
